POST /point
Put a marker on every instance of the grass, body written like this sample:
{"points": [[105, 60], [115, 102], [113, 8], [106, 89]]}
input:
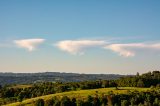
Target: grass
{"points": [[81, 94]]}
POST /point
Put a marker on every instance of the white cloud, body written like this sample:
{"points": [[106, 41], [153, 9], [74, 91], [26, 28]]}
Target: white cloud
{"points": [[29, 44], [78, 46], [129, 50]]}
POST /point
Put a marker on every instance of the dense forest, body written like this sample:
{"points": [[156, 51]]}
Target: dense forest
{"points": [[9, 94]]}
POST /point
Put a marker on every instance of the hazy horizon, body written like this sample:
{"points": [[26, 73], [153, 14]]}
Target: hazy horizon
{"points": [[66, 72], [96, 37]]}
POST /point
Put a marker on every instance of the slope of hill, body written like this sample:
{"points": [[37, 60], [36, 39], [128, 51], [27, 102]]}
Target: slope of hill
{"points": [[81, 94]]}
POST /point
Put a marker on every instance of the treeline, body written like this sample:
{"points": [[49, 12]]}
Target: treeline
{"points": [[29, 78], [130, 99], [145, 80], [11, 94]]}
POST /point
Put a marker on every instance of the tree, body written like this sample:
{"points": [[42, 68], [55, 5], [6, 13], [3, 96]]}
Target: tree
{"points": [[73, 101], [137, 74], [49, 102], [124, 103], [39, 102], [80, 103], [140, 83], [104, 100], [56, 101], [96, 101], [65, 101], [0, 86], [156, 102], [146, 103], [133, 102], [20, 96], [90, 101], [105, 83]]}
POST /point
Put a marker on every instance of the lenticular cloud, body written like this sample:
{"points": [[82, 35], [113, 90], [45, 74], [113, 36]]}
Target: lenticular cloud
{"points": [[130, 50], [78, 46], [29, 44]]}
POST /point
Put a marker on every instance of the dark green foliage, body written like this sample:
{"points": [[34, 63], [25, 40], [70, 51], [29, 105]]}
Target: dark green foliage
{"points": [[103, 100], [145, 80], [79, 103], [140, 83], [57, 103], [105, 84], [39, 102], [20, 96], [96, 101], [89, 101], [49, 102], [124, 103], [156, 102], [73, 101], [65, 101]]}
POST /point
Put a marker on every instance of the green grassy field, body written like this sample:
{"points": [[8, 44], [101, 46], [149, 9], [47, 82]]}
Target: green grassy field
{"points": [[81, 94]]}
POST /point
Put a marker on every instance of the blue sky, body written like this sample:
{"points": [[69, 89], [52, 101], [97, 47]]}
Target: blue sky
{"points": [[81, 36]]}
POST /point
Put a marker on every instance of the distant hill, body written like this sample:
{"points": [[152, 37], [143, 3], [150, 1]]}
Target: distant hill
{"points": [[26, 78]]}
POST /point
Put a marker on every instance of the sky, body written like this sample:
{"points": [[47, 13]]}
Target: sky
{"points": [[80, 36]]}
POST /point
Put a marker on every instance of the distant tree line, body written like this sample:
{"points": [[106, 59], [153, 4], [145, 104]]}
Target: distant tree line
{"points": [[30, 78]]}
